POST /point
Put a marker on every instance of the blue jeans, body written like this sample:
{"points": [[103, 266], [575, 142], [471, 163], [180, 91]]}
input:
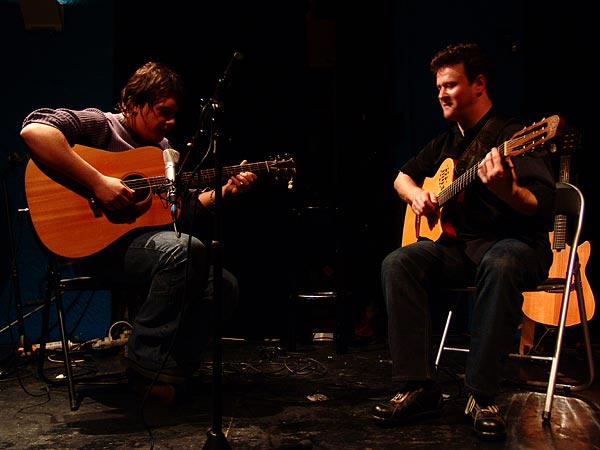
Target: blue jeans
{"points": [[175, 276], [410, 276]]}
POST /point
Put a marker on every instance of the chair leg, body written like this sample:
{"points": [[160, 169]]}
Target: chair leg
{"points": [[291, 325], [555, 360], [66, 351], [443, 340], [44, 333], [342, 333], [552, 385], [54, 281], [586, 335]]}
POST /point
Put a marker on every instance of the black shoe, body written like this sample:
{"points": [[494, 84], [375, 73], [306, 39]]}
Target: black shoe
{"points": [[409, 405], [487, 421]]}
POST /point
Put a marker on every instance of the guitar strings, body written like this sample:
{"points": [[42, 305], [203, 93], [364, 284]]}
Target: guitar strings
{"points": [[207, 174], [469, 175]]}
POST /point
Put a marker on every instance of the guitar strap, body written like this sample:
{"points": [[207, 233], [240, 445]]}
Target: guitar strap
{"points": [[481, 143]]}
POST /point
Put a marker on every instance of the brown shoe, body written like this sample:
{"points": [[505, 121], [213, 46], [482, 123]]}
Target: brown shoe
{"points": [[410, 405], [487, 421], [164, 393]]}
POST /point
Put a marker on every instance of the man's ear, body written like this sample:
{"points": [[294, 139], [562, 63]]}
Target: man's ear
{"points": [[480, 84]]}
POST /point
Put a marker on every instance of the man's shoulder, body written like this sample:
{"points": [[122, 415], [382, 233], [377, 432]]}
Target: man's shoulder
{"points": [[501, 126], [502, 119]]}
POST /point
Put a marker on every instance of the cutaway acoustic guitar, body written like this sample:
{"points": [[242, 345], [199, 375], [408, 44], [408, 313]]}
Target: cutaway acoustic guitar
{"points": [[446, 187], [544, 307]]}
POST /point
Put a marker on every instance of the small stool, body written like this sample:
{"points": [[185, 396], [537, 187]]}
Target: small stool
{"points": [[300, 306]]}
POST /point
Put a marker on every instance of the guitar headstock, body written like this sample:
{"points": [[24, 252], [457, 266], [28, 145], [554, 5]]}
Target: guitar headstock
{"points": [[534, 136], [569, 141], [283, 168]]}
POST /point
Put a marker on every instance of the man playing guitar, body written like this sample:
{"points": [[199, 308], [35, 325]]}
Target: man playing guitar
{"points": [[170, 327]]}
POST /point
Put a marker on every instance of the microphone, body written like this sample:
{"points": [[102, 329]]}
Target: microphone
{"points": [[171, 159]]}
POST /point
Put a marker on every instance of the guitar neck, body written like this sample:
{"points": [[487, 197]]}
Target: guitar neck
{"points": [[520, 142], [460, 183], [559, 241], [208, 176], [199, 178]]}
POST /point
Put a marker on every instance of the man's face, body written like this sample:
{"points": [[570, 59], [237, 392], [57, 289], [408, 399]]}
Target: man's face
{"points": [[455, 93], [153, 123]]}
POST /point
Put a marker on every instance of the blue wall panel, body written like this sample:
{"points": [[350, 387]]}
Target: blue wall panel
{"points": [[71, 68]]}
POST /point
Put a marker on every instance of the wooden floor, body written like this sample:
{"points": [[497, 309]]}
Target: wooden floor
{"points": [[313, 398]]}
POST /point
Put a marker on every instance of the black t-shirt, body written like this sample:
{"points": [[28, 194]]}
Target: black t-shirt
{"points": [[476, 214]]}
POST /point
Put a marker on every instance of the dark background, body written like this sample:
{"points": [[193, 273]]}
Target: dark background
{"points": [[344, 88]]}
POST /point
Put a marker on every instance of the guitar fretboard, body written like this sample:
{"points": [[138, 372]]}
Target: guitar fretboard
{"points": [[522, 141]]}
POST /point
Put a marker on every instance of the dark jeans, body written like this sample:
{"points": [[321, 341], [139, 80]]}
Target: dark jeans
{"points": [[410, 276], [167, 269]]}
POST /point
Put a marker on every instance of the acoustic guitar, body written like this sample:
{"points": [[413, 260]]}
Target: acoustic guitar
{"points": [[544, 307], [446, 187], [70, 223]]}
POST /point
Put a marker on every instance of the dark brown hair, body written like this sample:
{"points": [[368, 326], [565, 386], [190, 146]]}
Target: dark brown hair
{"points": [[471, 55], [151, 83]]}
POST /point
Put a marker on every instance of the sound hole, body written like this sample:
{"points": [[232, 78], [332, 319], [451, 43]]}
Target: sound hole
{"points": [[140, 185], [141, 197]]}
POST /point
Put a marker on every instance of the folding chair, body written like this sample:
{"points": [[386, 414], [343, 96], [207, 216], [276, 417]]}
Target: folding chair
{"points": [[58, 285], [569, 202]]}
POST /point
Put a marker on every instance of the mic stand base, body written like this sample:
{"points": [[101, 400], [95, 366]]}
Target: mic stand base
{"points": [[216, 441]]}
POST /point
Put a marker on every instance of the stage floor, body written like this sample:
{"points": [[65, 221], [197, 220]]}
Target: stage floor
{"points": [[270, 398]]}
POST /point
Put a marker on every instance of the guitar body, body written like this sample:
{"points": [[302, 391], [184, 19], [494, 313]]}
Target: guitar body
{"points": [[544, 307], [68, 221], [429, 227]]}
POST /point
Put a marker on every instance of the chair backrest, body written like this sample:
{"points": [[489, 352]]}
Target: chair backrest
{"points": [[570, 202]]}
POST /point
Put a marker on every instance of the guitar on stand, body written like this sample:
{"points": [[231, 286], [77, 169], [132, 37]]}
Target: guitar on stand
{"points": [[544, 307]]}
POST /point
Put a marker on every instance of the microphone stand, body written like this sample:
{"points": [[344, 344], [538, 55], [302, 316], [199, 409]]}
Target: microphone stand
{"points": [[216, 439], [23, 344]]}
